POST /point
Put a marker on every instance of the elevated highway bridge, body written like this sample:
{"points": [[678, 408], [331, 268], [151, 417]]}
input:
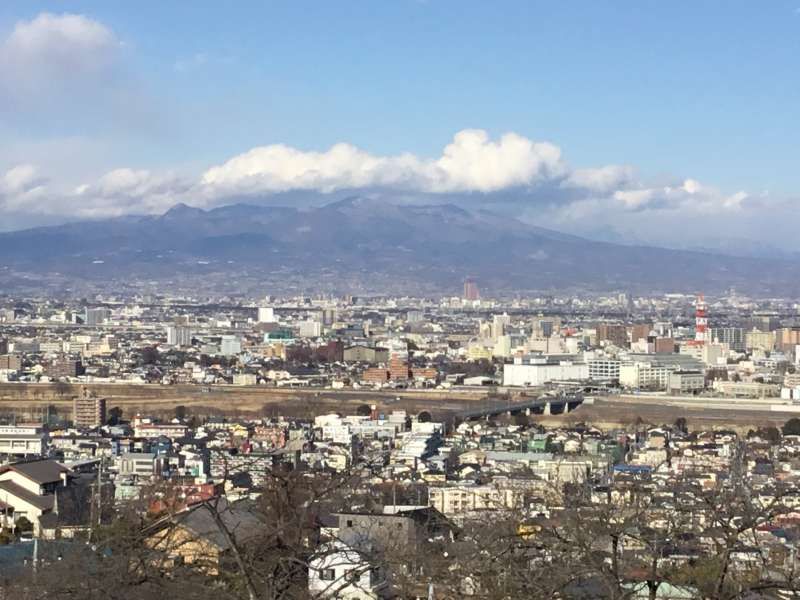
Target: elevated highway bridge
{"points": [[548, 405]]}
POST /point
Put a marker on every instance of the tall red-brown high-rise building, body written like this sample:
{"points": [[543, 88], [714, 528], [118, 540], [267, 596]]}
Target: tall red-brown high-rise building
{"points": [[471, 289]]}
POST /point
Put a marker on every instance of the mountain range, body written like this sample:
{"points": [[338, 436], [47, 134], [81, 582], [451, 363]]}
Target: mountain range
{"points": [[359, 245]]}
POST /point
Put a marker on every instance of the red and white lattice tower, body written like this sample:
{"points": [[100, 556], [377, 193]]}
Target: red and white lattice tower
{"points": [[702, 333]]}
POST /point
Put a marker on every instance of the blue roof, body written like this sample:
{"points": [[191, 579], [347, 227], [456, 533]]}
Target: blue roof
{"points": [[633, 468]]}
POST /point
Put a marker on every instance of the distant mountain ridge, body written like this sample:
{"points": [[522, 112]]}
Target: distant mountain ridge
{"points": [[369, 244]]}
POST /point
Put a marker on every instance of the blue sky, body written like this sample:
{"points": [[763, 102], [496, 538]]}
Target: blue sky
{"points": [[700, 90]]}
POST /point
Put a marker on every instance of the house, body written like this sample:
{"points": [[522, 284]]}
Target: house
{"points": [[341, 572], [47, 494], [401, 531], [199, 536], [346, 566]]}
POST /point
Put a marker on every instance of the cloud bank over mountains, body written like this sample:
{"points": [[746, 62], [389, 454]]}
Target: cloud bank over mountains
{"points": [[472, 164]]}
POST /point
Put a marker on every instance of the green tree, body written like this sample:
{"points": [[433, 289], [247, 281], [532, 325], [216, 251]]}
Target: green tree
{"points": [[115, 416], [23, 524], [792, 427], [148, 356], [771, 434], [681, 425]]}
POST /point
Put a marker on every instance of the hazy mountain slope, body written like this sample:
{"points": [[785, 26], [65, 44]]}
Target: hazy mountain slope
{"points": [[371, 244]]}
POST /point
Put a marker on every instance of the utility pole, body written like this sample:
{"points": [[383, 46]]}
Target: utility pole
{"points": [[100, 492], [35, 554], [95, 502]]}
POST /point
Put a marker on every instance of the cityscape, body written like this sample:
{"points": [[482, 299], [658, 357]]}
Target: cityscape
{"points": [[664, 428], [411, 300]]}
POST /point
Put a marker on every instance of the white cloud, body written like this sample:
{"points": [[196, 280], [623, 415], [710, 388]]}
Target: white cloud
{"points": [[511, 166], [470, 163], [690, 195], [21, 187], [51, 50], [528, 175], [602, 179], [474, 163], [279, 168], [123, 191], [19, 178]]}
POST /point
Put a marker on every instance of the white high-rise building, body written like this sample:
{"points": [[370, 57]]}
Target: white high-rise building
{"points": [[96, 316], [266, 314], [310, 328], [500, 324], [179, 335], [230, 345]]}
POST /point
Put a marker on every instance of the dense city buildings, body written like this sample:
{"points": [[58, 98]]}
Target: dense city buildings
{"points": [[442, 415]]}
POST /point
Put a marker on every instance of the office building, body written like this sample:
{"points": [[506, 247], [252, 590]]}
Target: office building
{"points": [[230, 345], [415, 316], [643, 375], [760, 340], [500, 324], [96, 316], [734, 337], [266, 314], [329, 316], [762, 322], [310, 329], [538, 370], [65, 367], [179, 335], [686, 382], [603, 369]]}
